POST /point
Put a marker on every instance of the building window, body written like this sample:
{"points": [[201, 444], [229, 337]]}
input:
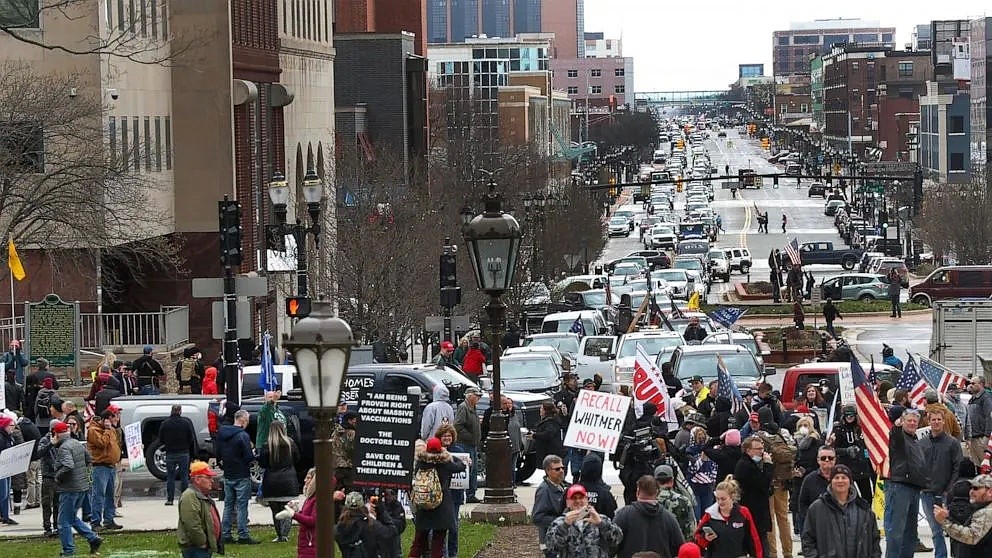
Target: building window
{"points": [[618, 72], [886, 37], [783, 41], [596, 72], [148, 143], [125, 156], [956, 162], [136, 142], [804, 108], [158, 143], [573, 90], [806, 40], [168, 143], [905, 69], [955, 125], [620, 88], [596, 89], [112, 132], [573, 73], [20, 14]]}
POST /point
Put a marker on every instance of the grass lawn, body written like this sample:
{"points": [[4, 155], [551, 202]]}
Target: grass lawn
{"points": [[160, 544]]}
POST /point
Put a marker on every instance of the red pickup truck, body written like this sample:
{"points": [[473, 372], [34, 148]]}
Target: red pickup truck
{"points": [[796, 378]]}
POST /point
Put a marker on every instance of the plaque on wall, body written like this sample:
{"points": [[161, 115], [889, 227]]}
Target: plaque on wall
{"points": [[52, 331]]}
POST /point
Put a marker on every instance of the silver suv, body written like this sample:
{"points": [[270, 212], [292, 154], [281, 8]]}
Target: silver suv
{"points": [[719, 265], [739, 258]]}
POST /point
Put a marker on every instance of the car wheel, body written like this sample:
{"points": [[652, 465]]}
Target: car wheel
{"points": [[745, 268], [847, 263], [155, 459], [526, 465], [866, 297], [922, 299]]}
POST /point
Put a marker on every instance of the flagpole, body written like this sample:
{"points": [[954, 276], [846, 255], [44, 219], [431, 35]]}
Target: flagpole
{"points": [[13, 329]]}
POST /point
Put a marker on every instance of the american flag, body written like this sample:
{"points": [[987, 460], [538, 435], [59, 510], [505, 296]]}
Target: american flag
{"points": [[726, 387], [913, 382], [792, 249], [872, 375], [874, 421], [578, 327], [940, 376], [676, 313]]}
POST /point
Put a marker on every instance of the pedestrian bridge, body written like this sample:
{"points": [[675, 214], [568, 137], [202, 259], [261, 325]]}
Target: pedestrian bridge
{"points": [[668, 98]]}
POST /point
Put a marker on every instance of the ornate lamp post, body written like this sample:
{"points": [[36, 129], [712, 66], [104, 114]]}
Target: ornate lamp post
{"points": [[321, 346], [493, 241], [313, 193]]}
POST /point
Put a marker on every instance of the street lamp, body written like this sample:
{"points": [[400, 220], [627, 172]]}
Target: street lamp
{"points": [[493, 241], [321, 347], [313, 193]]}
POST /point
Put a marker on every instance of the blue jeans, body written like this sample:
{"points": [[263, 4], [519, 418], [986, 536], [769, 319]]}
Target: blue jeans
{"points": [[896, 307], [473, 474], [102, 504], [453, 535], [902, 505], [573, 461], [69, 504], [939, 544], [176, 468], [704, 497], [5, 498], [830, 329], [237, 492], [196, 553]]}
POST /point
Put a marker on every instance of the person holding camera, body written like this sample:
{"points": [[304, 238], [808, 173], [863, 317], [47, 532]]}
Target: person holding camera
{"points": [[581, 531], [943, 457]]}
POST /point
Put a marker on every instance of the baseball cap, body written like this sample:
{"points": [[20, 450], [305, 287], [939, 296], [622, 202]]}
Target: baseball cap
{"points": [[588, 382], [575, 489], [60, 427], [447, 346], [663, 473], [981, 481], [5, 421], [696, 379], [473, 391], [200, 468], [354, 500], [113, 408]]}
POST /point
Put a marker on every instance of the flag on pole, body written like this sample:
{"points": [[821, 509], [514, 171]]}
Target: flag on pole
{"points": [[14, 262], [649, 386], [914, 383], [831, 416], [578, 327], [727, 316], [792, 249], [726, 387], [939, 376], [874, 421], [676, 313], [872, 375], [694, 302], [267, 379]]}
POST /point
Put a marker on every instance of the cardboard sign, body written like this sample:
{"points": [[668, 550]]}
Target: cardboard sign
{"points": [[15, 460], [388, 426], [597, 421], [846, 382], [135, 448], [459, 481]]}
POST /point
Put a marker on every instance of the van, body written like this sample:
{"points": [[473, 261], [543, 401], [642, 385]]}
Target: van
{"points": [[592, 322], [949, 282]]}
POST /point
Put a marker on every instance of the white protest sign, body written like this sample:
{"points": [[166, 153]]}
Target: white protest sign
{"points": [[15, 460], [597, 421], [135, 448], [846, 382], [3, 386], [459, 481]]}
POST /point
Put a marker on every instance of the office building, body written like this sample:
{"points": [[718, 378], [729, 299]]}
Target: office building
{"points": [[595, 84], [597, 46], [944, 133], [386, 16], [792, 48], [750, 70], [981, 84]]}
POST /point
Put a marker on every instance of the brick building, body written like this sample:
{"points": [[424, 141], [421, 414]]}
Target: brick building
{"points": [[454, 21], [792, 48], [594, 82]]}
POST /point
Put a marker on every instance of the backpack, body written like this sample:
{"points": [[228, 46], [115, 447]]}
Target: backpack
{"points": [[44, 401], [783, 454], [426, 492], [186, 369]]}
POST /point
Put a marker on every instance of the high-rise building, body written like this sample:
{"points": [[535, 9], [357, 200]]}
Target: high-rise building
{"points": [[391, 16], [981, 84], [597, 46], [791, 49], [921, 39]]}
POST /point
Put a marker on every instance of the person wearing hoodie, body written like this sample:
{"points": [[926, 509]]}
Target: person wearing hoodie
{"points": [[598, 492], [782, 448], [435, 523], [360, 530], [236, 455], [725, 451], [839, 524], [439, 411], [753, 475], [646, 525], [209, 381], [720, 421]]}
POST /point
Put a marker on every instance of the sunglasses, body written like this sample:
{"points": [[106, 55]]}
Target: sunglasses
{"points": [[827, 458], [558, 468], [978, 488]]}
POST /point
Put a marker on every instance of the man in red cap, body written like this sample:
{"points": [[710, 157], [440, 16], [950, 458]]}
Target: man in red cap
{"points": [[72, 483], [446, 356], [581, 531], [199, 522]]}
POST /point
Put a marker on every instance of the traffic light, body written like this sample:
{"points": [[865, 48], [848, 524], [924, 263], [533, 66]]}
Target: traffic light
{"points": [[830, 178], [230, 233], [449, 277], [298, 306]]}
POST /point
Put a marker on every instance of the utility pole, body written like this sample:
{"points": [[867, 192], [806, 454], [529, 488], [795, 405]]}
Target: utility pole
{"points": [[230, 257], [451, 293]]}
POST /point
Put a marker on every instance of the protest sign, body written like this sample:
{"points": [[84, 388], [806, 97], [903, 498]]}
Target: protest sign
{"points": [[135, 448], [387, 428], [649, 386], [15, 460], [3, 386], [597, 421], [459, 481]]}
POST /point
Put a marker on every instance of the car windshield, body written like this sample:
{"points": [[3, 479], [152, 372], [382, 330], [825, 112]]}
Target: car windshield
{"points": [[563, 344], [740, 365], [519, 368], [750, 344], [651, 345], [595, 299], [626, 269], [692, 264], [717, 255], [669, 275], [691, 228], [662, 230], [618, 221]]}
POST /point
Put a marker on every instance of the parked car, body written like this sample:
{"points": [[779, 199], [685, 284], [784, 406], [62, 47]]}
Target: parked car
{"points": [[656, 259], [592, 321], [959, 281], [855, 286], [797, 378], [739, 258], [596, 354], [652, 341], [831, 207], [719, 265], [619, 226], [885, 265], [534, 371], [565, 343], [701, 360], [741, 338]]}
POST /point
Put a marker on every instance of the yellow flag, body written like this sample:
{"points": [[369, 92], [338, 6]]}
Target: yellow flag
{"points": [[694, 302], [14, 261]]}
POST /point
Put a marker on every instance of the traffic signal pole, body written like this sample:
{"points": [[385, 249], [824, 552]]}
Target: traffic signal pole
{"points": [[230, 257], [449, 290]]}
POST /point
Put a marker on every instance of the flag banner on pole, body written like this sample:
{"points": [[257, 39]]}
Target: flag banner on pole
{"points": [[578, 327], [676, 313], [792, 249], [940, 376], [727, 316], [14, 262], [267, 379], [914, 383], [649, 386], [693, 305], [726, 387], [830, 417], [875, 424], [872, 375]]}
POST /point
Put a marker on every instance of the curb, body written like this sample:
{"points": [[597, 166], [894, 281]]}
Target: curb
{"points": [[852, 314]]}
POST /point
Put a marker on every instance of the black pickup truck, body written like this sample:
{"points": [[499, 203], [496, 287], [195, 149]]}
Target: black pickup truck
{"points": [[825, 253]]}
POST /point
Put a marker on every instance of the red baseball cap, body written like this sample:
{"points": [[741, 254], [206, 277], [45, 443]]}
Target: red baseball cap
{"points": [[575, 489], [60, 427], [113, 408], [198, 468], [447, 346], [5, 421]]}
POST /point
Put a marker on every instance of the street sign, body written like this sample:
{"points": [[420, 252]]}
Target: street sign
{"points": [[213, 287], [243, 319], [436, 323], [572, 260], [890, 167]]}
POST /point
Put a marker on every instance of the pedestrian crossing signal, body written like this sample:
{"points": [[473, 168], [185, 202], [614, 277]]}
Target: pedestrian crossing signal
{"points": [[298, 306]]}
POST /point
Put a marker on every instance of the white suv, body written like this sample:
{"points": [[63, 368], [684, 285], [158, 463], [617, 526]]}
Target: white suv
{"points": [[739, 258], [720, 265]]}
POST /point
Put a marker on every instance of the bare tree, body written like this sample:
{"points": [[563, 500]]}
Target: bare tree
{"points": [[957, 219], [61, 189]]}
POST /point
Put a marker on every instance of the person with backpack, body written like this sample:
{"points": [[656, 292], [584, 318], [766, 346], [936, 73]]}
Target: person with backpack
{"points": [[782, 448], [33, 385], [149, 372], [360, 529], [434, 514], [190, 371]]}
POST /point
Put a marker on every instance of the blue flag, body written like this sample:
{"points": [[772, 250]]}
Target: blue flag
{"points": [[578, 327], [267, 379], [727, 316]]}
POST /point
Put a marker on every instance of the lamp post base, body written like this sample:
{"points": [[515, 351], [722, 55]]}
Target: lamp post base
{"points": [[499, 514]]}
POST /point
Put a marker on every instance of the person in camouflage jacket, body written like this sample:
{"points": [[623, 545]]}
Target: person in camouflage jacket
{"points": [[581, 532], [674, 501], [343, 447]]}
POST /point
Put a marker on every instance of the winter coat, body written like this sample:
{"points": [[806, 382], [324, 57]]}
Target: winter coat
{"points": [[549, 502], [358, 537], [736, 534], [908, 464], [806, 450], [720, 421], [306, 543], [280, 482], [72, 466], [725, 457], [976, 537], [583, 539], [755, 480], [813, 486], [648, 526], [47, 453], [441, 518], [209, 381], [178, 435], [148, 370], [548, 439], [943, 460], [105, 395], [14, 394], [600, 496], [234, 451], [30, 433], [474, 363], [849, 443], [269, 413], [439, 411], [19, 481], [835, 531], [830, 312], [196, 521], [512, 429], [980, 415], [104, 444]]}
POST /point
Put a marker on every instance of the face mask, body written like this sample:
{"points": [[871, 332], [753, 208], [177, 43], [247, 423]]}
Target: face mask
{"points": [[804, 430], [756, 458]]}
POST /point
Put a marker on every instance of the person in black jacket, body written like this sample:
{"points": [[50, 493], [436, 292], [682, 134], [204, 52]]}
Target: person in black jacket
{"points": [[178, 438], [236, 455], [719, 422], [959, 503], [549, 499], [908, 475], [14, 393], [32, 385], [360, 530], [600, 496], [278, 458], [436, 522], [841, 524], [110, 390], [390, 510], [725, 451], [547, 434], [847, 438], [754, 474], [646, 525], [149, 372], [943, 459], [814, 484]]}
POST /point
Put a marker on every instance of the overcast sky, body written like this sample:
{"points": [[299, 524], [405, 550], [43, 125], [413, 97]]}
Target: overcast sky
{"points": [[697, 45]]}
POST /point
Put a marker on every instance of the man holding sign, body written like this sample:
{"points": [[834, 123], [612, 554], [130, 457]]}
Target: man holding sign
{"points": [[6, 443]]}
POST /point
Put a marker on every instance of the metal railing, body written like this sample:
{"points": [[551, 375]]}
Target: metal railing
{"points": [[11, 328], [168, 328]]}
